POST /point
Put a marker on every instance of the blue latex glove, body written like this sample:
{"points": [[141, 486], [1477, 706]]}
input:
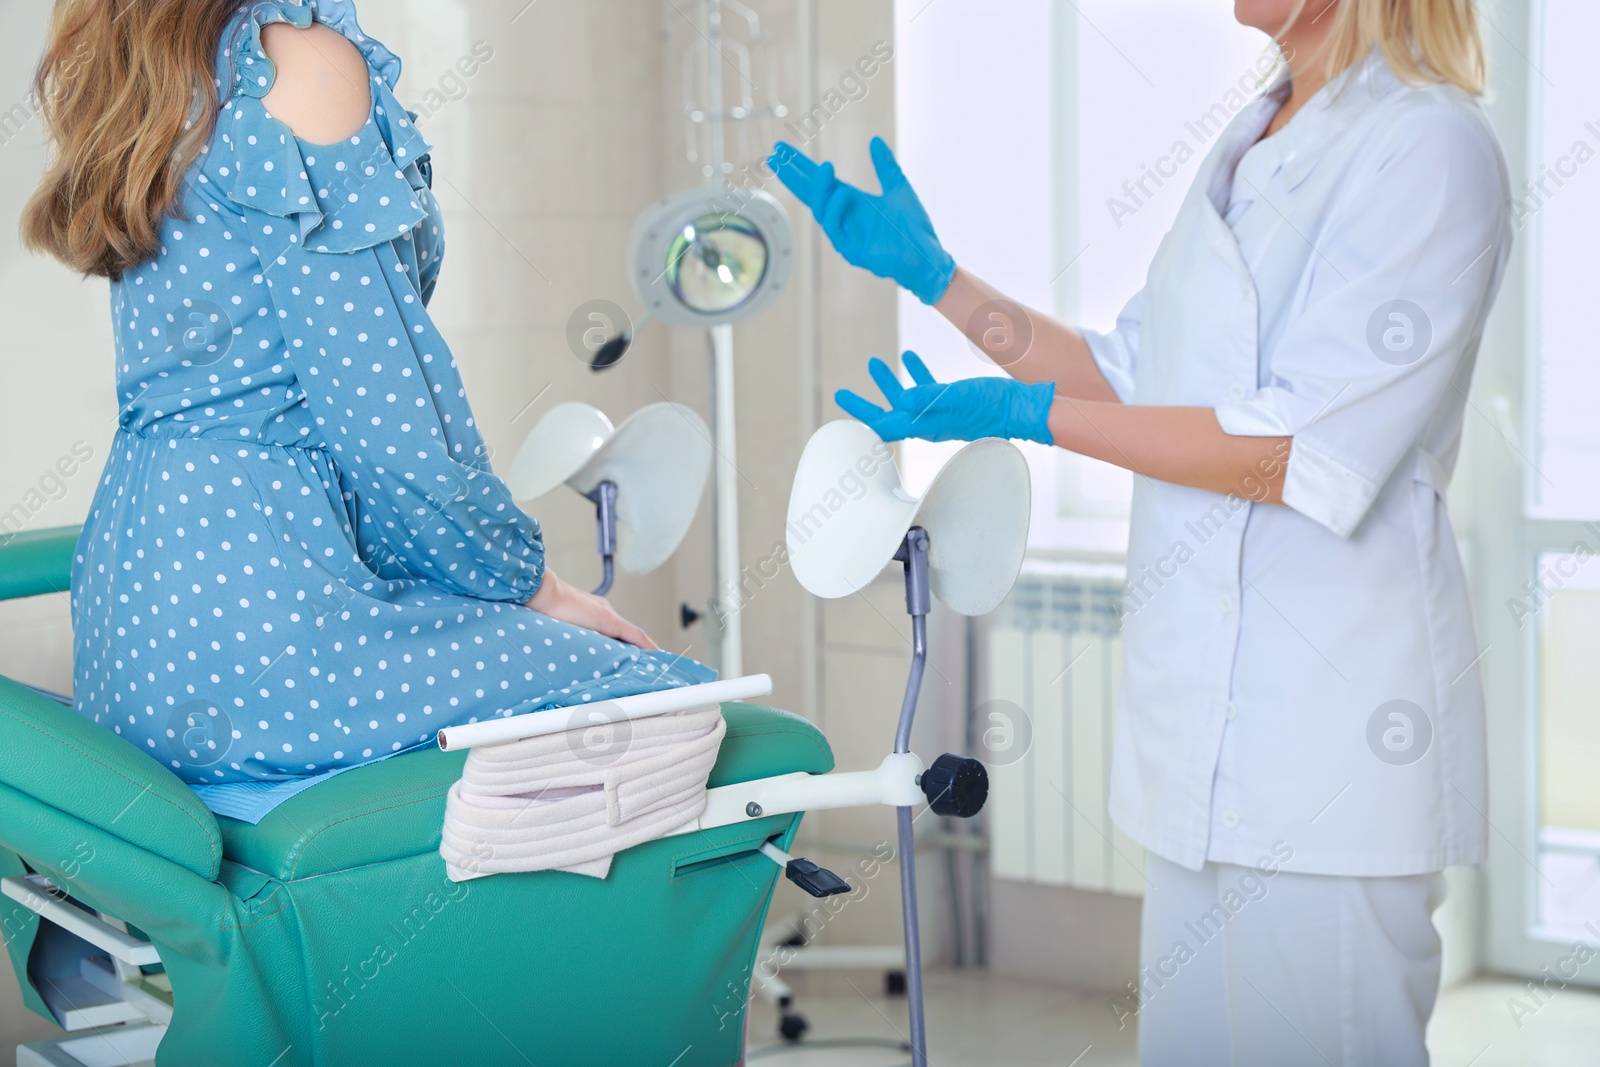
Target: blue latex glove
{"points": [[964, 410], [888, 234]]}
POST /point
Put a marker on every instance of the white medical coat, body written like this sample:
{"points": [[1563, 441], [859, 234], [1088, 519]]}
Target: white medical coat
{"points": [[1306, 674]]}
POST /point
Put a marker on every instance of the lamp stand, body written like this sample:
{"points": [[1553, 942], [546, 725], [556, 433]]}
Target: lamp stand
{"points": [[725, 506]]}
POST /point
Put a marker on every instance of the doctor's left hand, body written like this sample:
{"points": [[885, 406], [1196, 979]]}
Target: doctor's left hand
{"points": [[964, 410], [889, 234]]}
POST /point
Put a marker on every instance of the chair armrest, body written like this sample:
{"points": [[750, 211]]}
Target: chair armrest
{"points": [[37, 561], [59, 758]]}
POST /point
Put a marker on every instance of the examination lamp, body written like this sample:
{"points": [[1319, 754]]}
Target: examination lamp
{"points": [[645, 477], [962, 541], [706, 257]]}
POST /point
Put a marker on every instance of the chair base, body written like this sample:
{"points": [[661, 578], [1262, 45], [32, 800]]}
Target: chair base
{"points": [[121, 1046]]}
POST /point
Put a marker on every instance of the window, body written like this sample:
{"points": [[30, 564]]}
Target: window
{"points": [[1558, 212], [1539, 580], [1568, 738], [1052, 145]]}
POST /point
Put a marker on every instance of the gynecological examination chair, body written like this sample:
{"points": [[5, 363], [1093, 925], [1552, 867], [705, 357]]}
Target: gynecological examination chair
{"points": [[330, 934]]}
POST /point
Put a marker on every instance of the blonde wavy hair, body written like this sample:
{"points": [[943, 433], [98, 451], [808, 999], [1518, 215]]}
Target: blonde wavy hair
{"points": [[127, 94], [1427, 42]]}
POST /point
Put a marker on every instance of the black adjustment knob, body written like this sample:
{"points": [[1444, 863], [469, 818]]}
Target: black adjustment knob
{"points": [[956, 785]]}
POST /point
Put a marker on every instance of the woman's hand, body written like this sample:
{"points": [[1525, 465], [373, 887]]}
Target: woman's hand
{"points": [[563, 603], [965, 410], [888, 234]]}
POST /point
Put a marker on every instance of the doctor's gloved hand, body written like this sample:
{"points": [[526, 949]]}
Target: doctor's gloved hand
{"points": [[964, 410], [889, 234]]}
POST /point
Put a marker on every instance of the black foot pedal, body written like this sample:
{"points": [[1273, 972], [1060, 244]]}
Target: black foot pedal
{"points": [[818, 881]]}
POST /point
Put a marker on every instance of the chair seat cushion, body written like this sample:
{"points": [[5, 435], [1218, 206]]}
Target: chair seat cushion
{"points": [[59, 758], [395, 808]]}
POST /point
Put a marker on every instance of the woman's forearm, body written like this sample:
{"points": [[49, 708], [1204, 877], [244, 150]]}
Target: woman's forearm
{"points": [[1027, 344], [1181, 445]]}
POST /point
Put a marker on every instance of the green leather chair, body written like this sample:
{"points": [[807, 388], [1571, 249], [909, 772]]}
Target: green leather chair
{"points": [[329, 934]]}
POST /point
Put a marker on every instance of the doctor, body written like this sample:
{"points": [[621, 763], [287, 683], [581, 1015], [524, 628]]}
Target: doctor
{"points": [[1300, 739]]}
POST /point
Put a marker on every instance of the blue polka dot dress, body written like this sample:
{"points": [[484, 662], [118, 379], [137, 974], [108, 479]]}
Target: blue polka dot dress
{"points": [[300, 559]]}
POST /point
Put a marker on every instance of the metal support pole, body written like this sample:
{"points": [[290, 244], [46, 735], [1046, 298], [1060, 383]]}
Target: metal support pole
{"points": [[605, 515], [980, 866], [725, 515], [914, 554], [908, 902]]}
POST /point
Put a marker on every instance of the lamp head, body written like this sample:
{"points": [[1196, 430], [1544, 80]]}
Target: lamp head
{"points": [[709, 256]]}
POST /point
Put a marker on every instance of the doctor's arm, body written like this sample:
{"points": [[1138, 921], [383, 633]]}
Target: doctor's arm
{"points": [[1052, 351], [1182, 445]]}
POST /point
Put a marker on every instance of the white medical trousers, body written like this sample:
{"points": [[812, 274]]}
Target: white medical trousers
{"points": [[1239, 968]]}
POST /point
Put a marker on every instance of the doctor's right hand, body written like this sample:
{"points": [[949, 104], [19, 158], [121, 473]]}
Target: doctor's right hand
{"points": [[889, 234]]}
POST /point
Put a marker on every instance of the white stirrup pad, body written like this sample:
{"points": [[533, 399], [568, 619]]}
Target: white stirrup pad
{"points": [[659, 459], [848, 512]]}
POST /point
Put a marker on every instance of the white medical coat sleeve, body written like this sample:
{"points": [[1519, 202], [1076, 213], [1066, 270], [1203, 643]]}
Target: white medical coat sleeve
{"points": [[1424, 222], [1117, 353]]}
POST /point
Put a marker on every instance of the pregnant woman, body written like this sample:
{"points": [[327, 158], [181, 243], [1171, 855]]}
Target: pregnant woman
{"points": [[299, 558]]}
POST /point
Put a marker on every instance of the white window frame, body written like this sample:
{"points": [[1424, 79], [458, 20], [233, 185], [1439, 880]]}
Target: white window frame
{"points": [[1511, 541]]}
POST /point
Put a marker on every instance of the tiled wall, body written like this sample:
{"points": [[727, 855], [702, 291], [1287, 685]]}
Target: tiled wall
{"points": [[56, 344]]}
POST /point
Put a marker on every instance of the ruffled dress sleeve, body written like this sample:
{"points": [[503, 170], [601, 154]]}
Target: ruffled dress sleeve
{"points": [[347, 237]]}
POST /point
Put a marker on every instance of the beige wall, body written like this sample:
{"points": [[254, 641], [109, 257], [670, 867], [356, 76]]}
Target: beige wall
{"points": [[57, 366], [57, 392]]}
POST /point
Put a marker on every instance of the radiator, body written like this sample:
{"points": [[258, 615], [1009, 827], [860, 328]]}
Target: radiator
{"points": [[1051, 656]]}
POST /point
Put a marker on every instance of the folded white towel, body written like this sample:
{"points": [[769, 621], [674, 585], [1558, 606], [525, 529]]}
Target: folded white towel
{"points": [[570, 801]]}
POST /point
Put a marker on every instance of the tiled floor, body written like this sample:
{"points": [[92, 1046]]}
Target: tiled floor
{"points": [[977, 1020], [974, 1020], [984, 1021], [1476, 1025], [18, 1026]]}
